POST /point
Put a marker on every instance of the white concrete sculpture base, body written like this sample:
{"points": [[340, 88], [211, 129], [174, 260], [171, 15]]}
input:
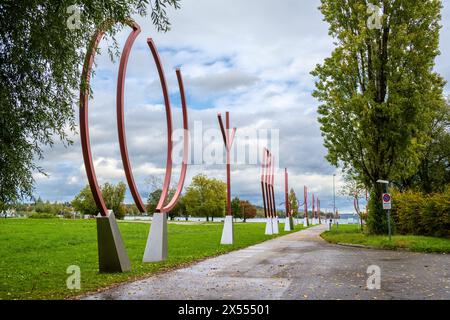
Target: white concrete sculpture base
{"points": [[305, 222], [227, 233], [275, 229], [269, 229], [287, 224], [156, 248]]}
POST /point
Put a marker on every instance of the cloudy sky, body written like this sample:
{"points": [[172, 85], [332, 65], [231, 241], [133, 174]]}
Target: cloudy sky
{"points": [[252, 58]]}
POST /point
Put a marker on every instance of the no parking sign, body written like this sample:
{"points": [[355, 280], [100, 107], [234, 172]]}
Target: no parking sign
{"points": [[387, 201]]}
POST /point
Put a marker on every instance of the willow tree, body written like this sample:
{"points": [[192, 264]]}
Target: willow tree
{"points": [[378, 90]]}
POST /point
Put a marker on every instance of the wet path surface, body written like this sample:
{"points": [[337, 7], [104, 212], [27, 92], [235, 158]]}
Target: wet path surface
{"points": [[297, 266]]}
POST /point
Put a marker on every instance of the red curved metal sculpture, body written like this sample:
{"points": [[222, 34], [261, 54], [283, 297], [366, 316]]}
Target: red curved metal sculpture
{"points": [[267, 185], [121, 122], [169, 163], [286, 193], [84, 102], [84, 125], [180, 184], [228, 141], [122, 139], [272, 182], [263, 182], [318, 210], [305, 202]]}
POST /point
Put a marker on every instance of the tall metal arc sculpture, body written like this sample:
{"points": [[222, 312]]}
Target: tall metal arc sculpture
{"points": [[265, 191], [318, 210], [289, 221], [305, 203], [313, 214], [228, 138], [112, 254], [156, 248], [272, 191], [111, 251], [269, 193]]}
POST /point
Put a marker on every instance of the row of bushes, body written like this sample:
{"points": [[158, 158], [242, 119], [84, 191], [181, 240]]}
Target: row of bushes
{"points": [[421, 214], [46, 215], [36, 215]]}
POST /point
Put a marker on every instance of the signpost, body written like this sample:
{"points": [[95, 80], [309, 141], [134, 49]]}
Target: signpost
{"points": [[387, 199]]}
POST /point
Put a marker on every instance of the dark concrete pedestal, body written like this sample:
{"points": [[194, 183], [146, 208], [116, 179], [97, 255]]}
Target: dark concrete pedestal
{"points": [[112, 256]]}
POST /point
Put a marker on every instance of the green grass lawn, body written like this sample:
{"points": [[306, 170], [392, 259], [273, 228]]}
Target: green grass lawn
{"points": [[351, 234], [35, 253]]}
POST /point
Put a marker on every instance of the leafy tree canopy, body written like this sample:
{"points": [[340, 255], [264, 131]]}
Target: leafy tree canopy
{"points": [[246, 210], [293, 202], [114, 196], [205, 197], [378, 91]]}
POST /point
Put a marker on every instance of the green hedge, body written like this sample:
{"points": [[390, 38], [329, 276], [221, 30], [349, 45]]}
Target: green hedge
{"points": [[36, 215], [420, 214]]}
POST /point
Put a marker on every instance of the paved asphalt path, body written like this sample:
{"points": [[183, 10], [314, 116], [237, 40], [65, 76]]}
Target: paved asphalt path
{"points": [[297, 266]]}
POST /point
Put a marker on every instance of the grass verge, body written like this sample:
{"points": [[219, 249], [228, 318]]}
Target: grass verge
{"points": [[35, 253], [351, 234]]}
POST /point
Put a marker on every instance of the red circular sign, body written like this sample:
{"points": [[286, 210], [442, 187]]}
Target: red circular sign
{"points": [[386, 197]]}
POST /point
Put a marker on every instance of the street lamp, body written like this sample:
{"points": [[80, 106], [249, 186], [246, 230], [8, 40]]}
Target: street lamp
{"points": [[388, 212]]}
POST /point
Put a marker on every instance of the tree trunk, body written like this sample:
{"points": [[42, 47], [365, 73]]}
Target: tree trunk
{"points": [[376, 221]]}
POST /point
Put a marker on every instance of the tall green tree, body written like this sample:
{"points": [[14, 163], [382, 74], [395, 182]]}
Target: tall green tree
{"points": [[433, 174], [179, 210], [236, 207], [205, 197], [293, 202], [41, 56], [84, 202], [113, 195], [153, 199], [247, 210], [378, 90]]}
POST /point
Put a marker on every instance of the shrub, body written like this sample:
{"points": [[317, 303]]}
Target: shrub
{"points": [[417, 213], [67, 215], [36, 215]]}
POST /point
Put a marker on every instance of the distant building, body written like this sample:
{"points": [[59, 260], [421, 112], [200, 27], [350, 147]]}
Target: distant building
{"points": [[10, 213]]}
